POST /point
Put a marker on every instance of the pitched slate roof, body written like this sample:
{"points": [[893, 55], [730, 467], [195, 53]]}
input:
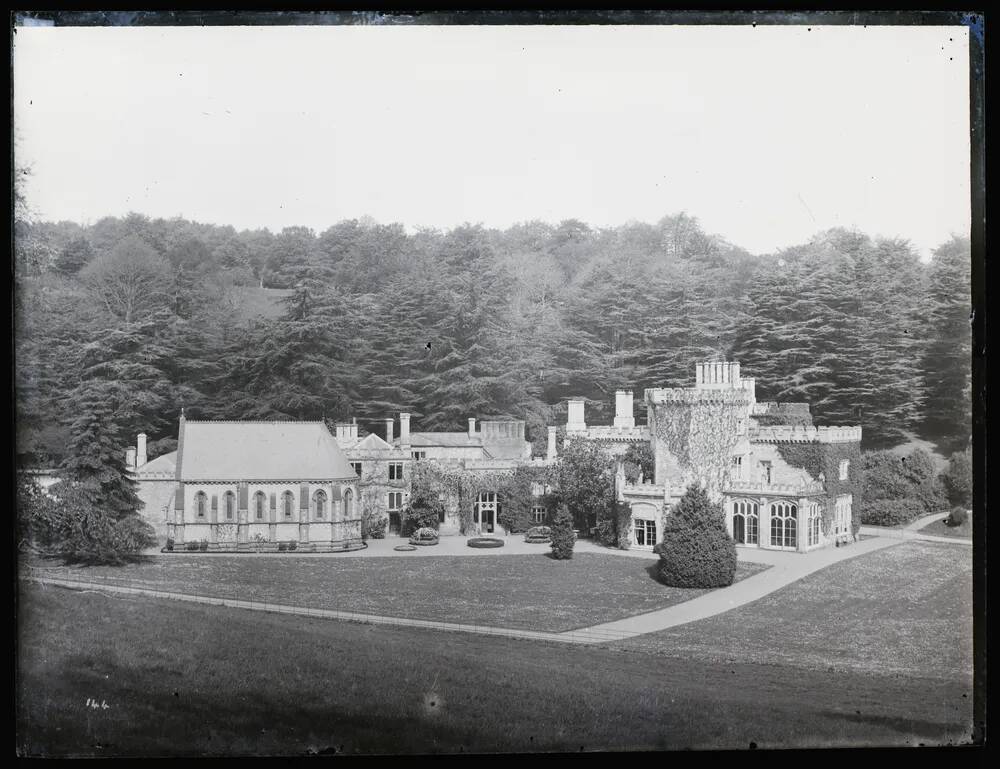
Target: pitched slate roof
{"points": [[371, 442], [286, 451], [165, 463]]}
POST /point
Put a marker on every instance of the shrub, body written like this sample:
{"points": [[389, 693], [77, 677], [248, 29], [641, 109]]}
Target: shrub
{"points": [[890, 512], [170, 544], [191, 545], [376, 529], [885, 476], [957, 479], [292, 544], [957, 516], [538, 534], [696, 550], [563, 536], [203, 545], [282, 547], [421, 513]]}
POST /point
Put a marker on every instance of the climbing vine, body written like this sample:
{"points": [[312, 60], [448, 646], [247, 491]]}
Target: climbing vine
{"points": [[825, 459]]}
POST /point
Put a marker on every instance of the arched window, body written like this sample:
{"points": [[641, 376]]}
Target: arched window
{"points": [[813, 517], [259, 500], [783, 525], [229, 500], [745, 520], [287, 503], [319, 500], [348, 504], [200, 503]]}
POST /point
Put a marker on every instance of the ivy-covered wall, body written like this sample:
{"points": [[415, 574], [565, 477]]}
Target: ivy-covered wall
{"points": [[825, 458], [694, 438]]}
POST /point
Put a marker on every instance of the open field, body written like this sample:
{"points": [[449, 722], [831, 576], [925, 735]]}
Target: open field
{"points": [[181, 679], [517, 591], [906, 611]]}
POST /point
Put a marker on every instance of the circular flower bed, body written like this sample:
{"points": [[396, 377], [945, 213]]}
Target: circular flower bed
{"points": [[424, 536], [402, 548], [538, 534], [484, 542]]}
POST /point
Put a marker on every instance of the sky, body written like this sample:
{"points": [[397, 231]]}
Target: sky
{"points": [[767, 135]]}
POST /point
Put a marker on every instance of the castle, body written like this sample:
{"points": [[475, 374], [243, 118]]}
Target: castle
{"points": [[783, 482]]}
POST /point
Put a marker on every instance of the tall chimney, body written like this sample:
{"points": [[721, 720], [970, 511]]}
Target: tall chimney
{"points": [[388, 430], [623, 409], [140, 457], [550, 450], [574, 415], [472, 427], [404, 431], [130, 459]]}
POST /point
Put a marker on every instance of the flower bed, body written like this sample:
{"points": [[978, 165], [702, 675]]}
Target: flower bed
{"points": [[404, 548], [424, 536], [484, 542]]}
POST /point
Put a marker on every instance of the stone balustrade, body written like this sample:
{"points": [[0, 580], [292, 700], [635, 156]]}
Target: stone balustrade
{"points": [[609, 433], [784, 489], [804, 434]]}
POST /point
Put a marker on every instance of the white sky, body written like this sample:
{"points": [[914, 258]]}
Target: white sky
{"points": [[766, 134]]}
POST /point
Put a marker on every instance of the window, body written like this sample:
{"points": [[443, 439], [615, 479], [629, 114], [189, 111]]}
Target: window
{"points": [[440, 513], [319, 504], [538, 514], [287, 500], [395, 471], [348, 504], [845, 466], [395, 500], [418, 454], [783, 525], [200, 501], [745, 520], [229, 501], [737, 467], [645, 532], [842, 515], [813, 518], [356, 467], [258, 505]]}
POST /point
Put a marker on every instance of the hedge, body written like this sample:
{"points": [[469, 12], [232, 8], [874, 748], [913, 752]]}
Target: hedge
{"points": [[957, 517], [890, 512]]}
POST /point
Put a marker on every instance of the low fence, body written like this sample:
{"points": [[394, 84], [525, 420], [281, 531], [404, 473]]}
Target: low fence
{"points": [[240, 597]]}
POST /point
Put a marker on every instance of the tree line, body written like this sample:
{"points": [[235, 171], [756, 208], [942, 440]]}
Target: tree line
{"points": [[121, 323]]}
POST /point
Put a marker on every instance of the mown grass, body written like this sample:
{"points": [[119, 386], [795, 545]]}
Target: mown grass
{"points": [[516, 591], [904, 610], [942, 529], [184, 679]]}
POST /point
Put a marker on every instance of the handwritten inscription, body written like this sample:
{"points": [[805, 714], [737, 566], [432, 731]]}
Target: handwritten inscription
{"points": [[97, 705]]}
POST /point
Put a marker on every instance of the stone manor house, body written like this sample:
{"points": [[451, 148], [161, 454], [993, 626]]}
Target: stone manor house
{"points": [[784, 483]]}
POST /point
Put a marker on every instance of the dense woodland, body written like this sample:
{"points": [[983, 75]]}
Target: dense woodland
{"points": [[121, 323]]}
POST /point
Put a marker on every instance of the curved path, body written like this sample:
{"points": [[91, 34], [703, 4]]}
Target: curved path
{"points": [[912, 531], [785, 568]]}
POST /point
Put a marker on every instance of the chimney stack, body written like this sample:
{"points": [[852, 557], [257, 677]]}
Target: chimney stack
{"points": [[550, 451], [404, 431], [130, 459], [140, 457], [623, 409], [388, 430], [472, 427], [574, 415]]}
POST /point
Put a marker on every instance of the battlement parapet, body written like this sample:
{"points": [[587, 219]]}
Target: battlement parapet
{"points": [[609, 433], [781, 489], [805, 434], [664, 395]]}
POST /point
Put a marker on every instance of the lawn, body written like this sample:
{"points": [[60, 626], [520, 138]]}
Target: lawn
{"points": [[941, 529], [184, 679], [905, 610], [532, 592]]}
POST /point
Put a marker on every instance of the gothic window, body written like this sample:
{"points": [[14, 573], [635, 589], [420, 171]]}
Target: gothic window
{"points": [[229, 502], [745, 522], [348, 504], [319, 499], [287, 503], [813, 519], [200, 500], [258, 505], [783, 525]]}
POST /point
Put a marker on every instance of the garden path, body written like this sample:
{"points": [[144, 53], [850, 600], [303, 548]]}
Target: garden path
{"points": [[785, 568]]}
